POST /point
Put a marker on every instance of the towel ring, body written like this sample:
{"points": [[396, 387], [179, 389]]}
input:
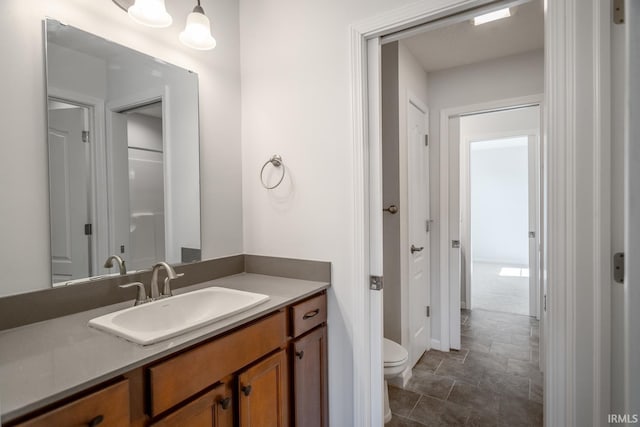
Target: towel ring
{"points": [[276, 161]]}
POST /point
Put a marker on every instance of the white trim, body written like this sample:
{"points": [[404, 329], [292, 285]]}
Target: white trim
{"points": [[465, 194], [563, 49], [435, 344], [448, 303], [394, 20]]}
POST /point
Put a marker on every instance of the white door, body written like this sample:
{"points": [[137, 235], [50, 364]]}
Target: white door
{"points": [[455, 273], [118, 172], [418, 213], [68, 187]]}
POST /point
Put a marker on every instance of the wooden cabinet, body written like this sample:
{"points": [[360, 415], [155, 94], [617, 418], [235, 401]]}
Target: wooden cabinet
{"points": [[309, 397], [214, 408], [310, 379], [107, 407], [269, 372], [264, 393], [180, 377]]}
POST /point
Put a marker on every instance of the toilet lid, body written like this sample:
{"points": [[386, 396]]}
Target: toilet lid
{"points": [[394, 353]]}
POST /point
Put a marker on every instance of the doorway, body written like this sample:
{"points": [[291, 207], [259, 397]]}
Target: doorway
{"points": [[500, 204]]}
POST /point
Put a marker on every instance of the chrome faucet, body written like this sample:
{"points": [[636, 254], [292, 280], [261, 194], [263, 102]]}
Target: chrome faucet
{"points": [[121, 266], [141, 297], [171, 275]]}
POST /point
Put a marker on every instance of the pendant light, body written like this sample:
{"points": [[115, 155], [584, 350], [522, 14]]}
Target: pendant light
{"points": [[197, 32], [151, 13]]}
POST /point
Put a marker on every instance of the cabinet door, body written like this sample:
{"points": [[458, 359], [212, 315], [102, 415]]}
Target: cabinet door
{"points": [[310, 379], [106, 407], [214, 408], [263, 393]]}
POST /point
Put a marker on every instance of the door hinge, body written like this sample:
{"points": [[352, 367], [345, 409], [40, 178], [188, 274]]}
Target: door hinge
{"points": [[428, 311], [427, 226], [85, 136], [618, 267], [88, 230], [544, 303], [426, 140], [375, 283], [455, 244], [618, 11]]}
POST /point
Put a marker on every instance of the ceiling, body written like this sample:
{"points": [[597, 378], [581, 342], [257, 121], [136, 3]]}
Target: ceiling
{"points": [[464, 43]]}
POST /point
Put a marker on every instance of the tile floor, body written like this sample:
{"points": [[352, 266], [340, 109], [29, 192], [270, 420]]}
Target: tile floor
{"points": [[492, 381], [491, 291]]}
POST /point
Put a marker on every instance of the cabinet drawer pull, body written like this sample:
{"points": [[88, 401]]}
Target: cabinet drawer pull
{"points": [[311, 314], [246, 389], [225, 403], [97, 420], [300, 354]]}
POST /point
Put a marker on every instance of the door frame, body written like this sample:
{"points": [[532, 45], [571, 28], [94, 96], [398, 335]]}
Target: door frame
{"points": [[449, 300], [465, 191], [574, 34], [96, 106]]}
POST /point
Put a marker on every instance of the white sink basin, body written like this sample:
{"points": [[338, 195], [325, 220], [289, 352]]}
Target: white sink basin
{"points": [[156, 321]]}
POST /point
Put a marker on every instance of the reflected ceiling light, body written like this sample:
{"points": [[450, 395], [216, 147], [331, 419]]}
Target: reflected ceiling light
{"points": [[151, 13], [492, 16], [197, 32]]}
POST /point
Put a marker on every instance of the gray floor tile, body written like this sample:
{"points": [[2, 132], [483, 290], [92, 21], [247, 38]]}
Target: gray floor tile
{"points": [[435, 412], [494, 380], [515, 411], [473, 398], [429, 384], [402, 401], [400, 421], [463, 372]]}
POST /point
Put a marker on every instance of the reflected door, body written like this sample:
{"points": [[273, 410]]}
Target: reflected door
{"points": [[68, 186]]}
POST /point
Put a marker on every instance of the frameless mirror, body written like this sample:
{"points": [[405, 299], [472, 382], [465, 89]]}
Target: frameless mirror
{"points": [[123, 150]]}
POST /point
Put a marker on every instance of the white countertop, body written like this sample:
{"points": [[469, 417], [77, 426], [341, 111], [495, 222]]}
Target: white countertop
{"points": [[48, 361]]}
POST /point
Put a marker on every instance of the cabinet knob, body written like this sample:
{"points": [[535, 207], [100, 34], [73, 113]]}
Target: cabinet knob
{"points": [[246, 389], [300, 354], [97, 420], [311, 314], [225, 403]]}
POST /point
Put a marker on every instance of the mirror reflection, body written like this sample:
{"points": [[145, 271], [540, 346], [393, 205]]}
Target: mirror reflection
{"points": [[123, 157]]}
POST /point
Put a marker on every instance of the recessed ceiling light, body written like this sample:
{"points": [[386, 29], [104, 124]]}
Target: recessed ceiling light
{"points": [[492, 16]]}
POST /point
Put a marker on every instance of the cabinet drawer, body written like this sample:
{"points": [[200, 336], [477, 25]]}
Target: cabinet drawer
{"points": [[308, 314], [178, 378], [111, 404]]}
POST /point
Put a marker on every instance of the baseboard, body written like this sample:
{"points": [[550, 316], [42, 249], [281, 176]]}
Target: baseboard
{"points": [[435, 344], [402, 380]]}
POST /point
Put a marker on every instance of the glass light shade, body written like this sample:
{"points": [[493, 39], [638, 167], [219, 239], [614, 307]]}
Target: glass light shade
{"points": [[151, 13], [197, 32]]}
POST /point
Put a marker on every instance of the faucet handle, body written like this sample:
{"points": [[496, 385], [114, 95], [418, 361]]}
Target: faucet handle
{"points": [[166, 291], [141, 298]]}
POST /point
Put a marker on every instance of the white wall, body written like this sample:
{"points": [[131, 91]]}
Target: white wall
{"points": [[508, 77], [296, 102], [25, 251], [74, 71], [499, 201], [411, 79]]}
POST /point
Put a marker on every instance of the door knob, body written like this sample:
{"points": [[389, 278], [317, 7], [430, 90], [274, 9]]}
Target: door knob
{"points": [[393, 209], [414, 249]]}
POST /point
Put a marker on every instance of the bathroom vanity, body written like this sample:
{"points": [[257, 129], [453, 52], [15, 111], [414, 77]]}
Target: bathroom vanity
{"points": [[266, 366]]}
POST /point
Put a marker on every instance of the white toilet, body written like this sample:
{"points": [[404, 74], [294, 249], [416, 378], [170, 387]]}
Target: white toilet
{"points": [[395, 362]]}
